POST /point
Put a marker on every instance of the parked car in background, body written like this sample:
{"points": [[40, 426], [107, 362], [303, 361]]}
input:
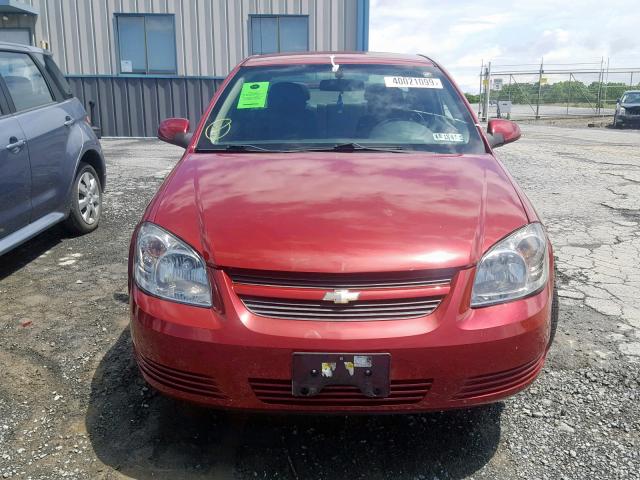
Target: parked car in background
{"points": [[627, 109], [339, 236], [51, 164]]}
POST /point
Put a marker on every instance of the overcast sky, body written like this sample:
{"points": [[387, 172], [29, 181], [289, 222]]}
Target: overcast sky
{"points": [[461, 33]]}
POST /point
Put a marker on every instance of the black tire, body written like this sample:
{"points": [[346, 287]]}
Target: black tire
{"points": [[616, 123], [555, 310], [79, 221]]}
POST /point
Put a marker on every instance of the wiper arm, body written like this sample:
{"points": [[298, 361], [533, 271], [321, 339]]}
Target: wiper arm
{"points": [[238, 148], [353, 146], [340, 147]]}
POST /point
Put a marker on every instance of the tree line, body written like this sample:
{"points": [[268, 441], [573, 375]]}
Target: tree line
{"points": [[559, 92]]}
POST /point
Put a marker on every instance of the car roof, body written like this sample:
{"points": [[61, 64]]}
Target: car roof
{"points": [[630, 91], [339, 57], [20, 47]]}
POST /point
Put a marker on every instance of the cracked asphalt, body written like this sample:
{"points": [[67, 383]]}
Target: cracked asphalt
{"points": [[590, 203], [72, 404]]}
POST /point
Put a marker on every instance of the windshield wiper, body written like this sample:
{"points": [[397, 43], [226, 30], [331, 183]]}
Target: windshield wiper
{"points": [[340, 147], [239, 148], [357, 147]]}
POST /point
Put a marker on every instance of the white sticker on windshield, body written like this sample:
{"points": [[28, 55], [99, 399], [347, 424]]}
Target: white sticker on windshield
{"points": [[412, 82], [448, 137]]}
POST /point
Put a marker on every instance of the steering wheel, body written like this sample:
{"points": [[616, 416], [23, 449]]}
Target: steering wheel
{"points": [[399, 114], [401, 130], [442, 121]]}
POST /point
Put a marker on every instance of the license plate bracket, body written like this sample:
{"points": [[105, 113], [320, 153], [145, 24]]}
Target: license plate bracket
{"points": [[312, 371]]}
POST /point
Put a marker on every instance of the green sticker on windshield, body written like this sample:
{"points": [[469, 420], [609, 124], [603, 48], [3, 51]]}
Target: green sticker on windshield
{"points": [[253, 95]]}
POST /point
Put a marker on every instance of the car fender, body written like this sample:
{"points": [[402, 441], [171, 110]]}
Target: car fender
{"points": [[82, 140]]}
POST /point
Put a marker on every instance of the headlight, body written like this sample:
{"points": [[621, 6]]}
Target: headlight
{"points": [[622, 111], [513, 268], [167, 267]]}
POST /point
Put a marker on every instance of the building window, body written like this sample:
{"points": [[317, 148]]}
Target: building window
{"points": [[147, 43], [279, 33], [15, 35]]}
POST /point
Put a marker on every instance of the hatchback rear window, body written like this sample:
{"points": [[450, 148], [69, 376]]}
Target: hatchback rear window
{"points": [[310, 106]]}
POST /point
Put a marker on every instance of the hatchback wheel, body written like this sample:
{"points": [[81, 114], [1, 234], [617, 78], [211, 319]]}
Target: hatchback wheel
{"points": [[616, 122], [86, 201]]}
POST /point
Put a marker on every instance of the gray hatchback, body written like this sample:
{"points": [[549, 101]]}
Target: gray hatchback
{"points": [[51, 164]]}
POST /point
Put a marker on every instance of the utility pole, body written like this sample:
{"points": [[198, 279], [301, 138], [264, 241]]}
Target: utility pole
{"points": [[606, 83], [600, 78], [539, 88], [480, 91], [569, 95], [487, 92]]}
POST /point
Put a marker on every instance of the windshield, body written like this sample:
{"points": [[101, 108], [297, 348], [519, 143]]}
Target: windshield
{"points": [[311, 107], [633, 97]]}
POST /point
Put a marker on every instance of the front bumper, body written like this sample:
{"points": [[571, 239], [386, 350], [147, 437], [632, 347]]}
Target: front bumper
{"points": [[628, 119], [454, 357]]}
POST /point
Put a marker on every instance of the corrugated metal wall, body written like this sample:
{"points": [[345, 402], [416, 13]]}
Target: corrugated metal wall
{"points": [[134, 106], [211, 35]]}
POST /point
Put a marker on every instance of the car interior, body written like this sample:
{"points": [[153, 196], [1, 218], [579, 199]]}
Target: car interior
{"points": [[295, 111]]}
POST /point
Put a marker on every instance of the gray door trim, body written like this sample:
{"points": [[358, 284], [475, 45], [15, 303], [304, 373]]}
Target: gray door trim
{"points": [[5, 108]]}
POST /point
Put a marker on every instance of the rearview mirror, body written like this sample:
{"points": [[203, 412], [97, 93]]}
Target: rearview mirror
{"points": [[175, 131], [501, 132], [341, 85]]}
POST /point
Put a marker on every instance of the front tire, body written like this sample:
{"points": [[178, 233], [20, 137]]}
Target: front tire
{"points": [[85, 206], [555, 314], [616, 122]]}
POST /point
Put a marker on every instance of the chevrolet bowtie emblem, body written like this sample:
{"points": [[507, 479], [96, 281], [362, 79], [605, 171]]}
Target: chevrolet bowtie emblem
{"points": [[341, 296]]}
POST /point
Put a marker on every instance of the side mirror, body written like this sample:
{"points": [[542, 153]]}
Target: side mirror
{"points": [[175, 131], [502, 132]]}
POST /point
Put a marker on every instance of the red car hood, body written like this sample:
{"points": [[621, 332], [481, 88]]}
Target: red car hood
{"points": [[339, 212]]}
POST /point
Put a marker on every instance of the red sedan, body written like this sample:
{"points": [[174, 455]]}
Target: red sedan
{"points": [[339, 236]]}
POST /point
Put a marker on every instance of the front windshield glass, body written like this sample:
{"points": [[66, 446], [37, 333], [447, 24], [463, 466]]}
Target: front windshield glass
{"points": [[632, 97], [311, 107]]}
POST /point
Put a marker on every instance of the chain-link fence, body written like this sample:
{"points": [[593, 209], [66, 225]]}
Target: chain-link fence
{"points": [[575, 90]]}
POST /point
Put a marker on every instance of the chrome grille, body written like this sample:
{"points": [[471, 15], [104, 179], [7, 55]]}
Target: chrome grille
{"points": [[358, 311], [333, 281]]}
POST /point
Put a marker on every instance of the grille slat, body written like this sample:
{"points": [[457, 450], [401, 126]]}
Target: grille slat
{"points": [[360, 311], [496, 388], [275, 313], [492, 383], [333, 281], [496, 379], [402, 392], [277, 304], [179, 380]]}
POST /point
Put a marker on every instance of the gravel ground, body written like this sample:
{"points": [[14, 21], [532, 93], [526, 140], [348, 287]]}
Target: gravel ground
{"points": [[72, 404]]}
